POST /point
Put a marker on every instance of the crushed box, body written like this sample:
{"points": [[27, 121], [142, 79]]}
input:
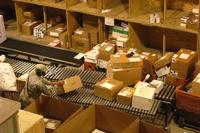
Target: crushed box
{"points": [[125, 95], [183, 63], [108, 88]]}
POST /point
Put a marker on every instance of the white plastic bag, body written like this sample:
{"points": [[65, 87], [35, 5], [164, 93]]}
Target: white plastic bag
{"points": [[7, 78]]}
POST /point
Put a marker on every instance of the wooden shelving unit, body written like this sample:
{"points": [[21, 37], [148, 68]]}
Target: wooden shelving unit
{"points": [[167, 35]]}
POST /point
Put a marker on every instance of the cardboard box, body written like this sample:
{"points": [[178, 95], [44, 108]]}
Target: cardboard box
{"points": [[27, 27], [120, 61], [57, 30], [129, 76], [98, 117], [163, 61], [54, 109], [30, 122], [92, 3], [175, 81], [158, 85], [51, 124], [183, 63], [94, 36], [196, 85], [72, 83], [125, 95], [107, 120], [102, 63], [55, 43], [143, 98], [33, 14], [80, 43], [108, 88], [90, 22], [98, 131], [64, 39], [197, 69], [122, 44], [149, 61], [54, 20], [105, 50]]}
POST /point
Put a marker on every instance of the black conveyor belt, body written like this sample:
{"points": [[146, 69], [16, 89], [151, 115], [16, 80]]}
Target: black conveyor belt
{"points": [[45, 52]]}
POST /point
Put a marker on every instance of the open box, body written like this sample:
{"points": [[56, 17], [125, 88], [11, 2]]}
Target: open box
{"points": [[54, 109], [107, 120]]}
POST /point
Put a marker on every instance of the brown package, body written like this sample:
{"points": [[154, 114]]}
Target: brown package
{"points": [[57, 30], [80, 43], [64, 39], [196, 85], [27, 27], [149, 61], [90, 21], [120, 61], [92, 3], [197, 69], [72, 84], [130, 76], [125, 95], [33, 14], [105, 51], [108, 88], [163, 61], [175, 81], [183, 63]]}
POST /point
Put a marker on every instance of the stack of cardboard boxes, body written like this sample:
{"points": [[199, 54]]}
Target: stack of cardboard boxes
{"points": [[87, 36], [32, 18]]}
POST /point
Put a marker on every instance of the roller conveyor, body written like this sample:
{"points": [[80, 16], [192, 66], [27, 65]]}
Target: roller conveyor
{"points": [[56, 55]]}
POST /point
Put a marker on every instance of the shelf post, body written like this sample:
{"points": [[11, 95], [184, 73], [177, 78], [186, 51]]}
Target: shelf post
{"points": [[45, 19]]}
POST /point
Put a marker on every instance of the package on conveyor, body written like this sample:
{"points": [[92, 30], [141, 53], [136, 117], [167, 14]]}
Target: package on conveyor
{"points": [[91, 58], [149, 60], [33, 14], [123, 68], [158, 85], [108, 88], [183, 63], [39, 30], [125, 95], [196, 85], [27, 27], [57, 30], [143, 97], [55, 43]]}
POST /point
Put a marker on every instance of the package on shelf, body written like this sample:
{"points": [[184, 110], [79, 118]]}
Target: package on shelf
{"points": [[183, 63], [163, 61], [108, 88], [196, 85], [143, 97], [2, 30], [183, 21], [120, 61], [27, 27], [51, 124], [158, 85], [105, 50], [119, 31], [193, 18], [129, 76], [92, 3], [57, 30], [81, 44], [125, 95], [33, 14], [54, 20], [55, 43], [64, 39], [149, 60], [39, 30], [90, 21], [72, 83], [154, 18]]}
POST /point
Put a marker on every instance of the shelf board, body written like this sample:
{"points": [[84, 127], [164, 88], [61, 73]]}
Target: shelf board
{"points": [[173, 21], [123, 15], [114, 12], [144, 19], [59, 5], [84, 8]]}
